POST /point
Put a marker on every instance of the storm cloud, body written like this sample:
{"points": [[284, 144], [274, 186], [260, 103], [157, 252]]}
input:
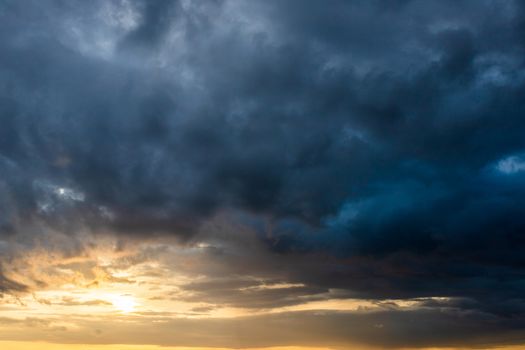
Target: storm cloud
{"points": [[374, 148]]}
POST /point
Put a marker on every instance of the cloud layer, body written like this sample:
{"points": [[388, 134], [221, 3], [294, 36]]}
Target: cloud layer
{"points": [[376, 149]]}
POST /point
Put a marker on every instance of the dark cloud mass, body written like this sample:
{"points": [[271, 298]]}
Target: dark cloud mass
{"points": [[377, 148]]}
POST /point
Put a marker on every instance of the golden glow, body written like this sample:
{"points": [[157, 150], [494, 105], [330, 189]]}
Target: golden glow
{"points": [[123, 303], [14, 345], [137, 295]]}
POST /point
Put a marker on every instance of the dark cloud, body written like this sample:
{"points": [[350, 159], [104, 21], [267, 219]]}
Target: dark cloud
{"points": [[155, 20], [375, 148], [250, 293]]}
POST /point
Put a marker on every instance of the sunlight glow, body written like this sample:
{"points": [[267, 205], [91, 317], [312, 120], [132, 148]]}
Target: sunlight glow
{"points": [[123, 303]]}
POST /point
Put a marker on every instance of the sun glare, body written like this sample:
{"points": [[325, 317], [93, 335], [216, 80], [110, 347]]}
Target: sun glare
{"points": [[123, 303]]}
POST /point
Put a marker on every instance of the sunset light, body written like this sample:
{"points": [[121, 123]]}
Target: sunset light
{"points": [[123, 303]]}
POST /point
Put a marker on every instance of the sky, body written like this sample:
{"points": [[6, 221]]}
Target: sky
{"points": [[281, 174]]}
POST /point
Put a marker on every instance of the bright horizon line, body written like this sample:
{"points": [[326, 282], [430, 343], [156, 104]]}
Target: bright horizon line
{"points": [[31, 345]]}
